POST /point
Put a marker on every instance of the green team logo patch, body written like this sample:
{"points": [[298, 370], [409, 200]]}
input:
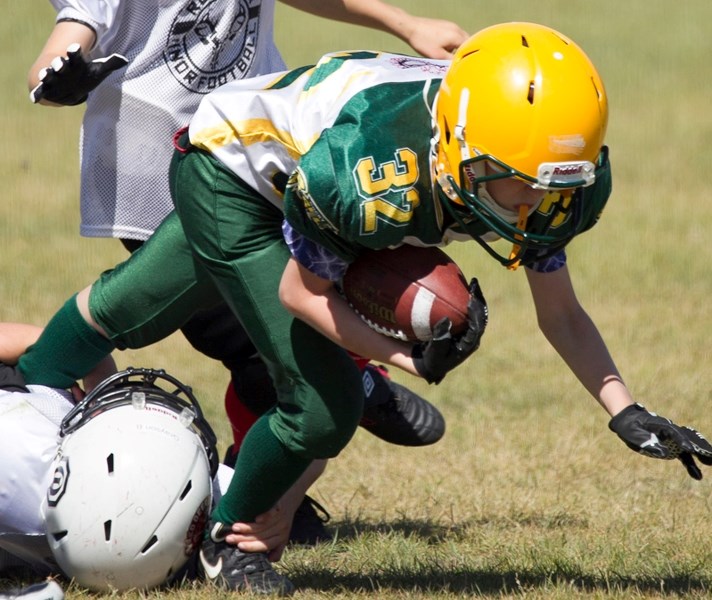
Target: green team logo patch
{"points": [[388, 189], [298, 183]]}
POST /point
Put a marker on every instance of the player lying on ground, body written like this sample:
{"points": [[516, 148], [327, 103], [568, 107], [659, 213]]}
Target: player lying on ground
{"points": [[31, 418], [284, 180]]}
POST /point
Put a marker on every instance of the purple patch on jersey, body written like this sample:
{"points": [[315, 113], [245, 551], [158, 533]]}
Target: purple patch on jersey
{"points": [[427, 66], [551, 264], [312, 256]]}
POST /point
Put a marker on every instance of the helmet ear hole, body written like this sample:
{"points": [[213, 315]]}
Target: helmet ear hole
{"points": [[446, 131], [58, 536], [186, 490], [149, 545]]}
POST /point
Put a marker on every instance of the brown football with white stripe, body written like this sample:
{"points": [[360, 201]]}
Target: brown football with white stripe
{"points": [[404, 292]]}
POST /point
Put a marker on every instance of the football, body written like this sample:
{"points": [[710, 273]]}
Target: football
{"points": [[404, 292]]}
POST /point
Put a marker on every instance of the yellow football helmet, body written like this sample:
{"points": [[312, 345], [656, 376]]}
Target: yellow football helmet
{"points": [[527, 102]]}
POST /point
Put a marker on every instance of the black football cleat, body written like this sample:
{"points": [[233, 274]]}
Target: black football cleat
{"points": [[228, 568], [395, 414], [308, 524], [47, 590], [309, 519]]}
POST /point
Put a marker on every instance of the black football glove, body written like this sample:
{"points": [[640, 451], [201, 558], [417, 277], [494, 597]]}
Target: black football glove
{"points": [[11, 380], [435, 358], [658, 437], [68, 81]]}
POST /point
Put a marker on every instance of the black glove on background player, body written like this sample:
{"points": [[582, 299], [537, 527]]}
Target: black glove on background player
{"points": [[68, 81], [434, 359], [655, 436]]}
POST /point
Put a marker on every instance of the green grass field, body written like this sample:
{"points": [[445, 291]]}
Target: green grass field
{"points": [[528, 495]]}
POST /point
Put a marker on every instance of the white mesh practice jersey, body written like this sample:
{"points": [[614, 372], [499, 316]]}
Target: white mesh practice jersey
{"points": [[178, 50], [29, 437]]}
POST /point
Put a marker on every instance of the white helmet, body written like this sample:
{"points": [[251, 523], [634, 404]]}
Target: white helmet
{"points": [[132, 484]]}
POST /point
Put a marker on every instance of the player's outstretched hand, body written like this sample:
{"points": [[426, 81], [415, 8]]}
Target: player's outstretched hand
{"points": [[658, 437], [68, 81], [436, 358]]}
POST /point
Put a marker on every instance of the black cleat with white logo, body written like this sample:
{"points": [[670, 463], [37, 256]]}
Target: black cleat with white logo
{"points": [[395, 414], [47, 590], [229, 568], [309, 519]]}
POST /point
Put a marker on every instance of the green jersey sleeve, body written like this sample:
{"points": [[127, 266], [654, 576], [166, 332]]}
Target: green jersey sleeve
{"points": [[324, 226]]}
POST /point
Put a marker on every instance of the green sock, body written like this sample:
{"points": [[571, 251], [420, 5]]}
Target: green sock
{"points": [[67, 350], [265, 470]]}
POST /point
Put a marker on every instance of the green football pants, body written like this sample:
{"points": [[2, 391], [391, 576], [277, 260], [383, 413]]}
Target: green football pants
{"points": [[236, 235]]}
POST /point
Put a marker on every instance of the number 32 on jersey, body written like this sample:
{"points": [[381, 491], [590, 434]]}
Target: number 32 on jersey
{"points": [[388, 189]]}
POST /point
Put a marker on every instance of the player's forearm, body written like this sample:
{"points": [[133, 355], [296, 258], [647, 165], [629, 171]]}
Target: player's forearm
{"points": [[573, 334], [15, 338], [433, 38], [584, 351], [270, 531], [103, 370], [331, 315], [316, 302]]}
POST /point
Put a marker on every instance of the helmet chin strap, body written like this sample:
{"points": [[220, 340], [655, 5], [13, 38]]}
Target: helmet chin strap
{"points": [[521, 225]]}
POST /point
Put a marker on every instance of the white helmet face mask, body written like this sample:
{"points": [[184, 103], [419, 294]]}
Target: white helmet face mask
{"points": [[131, 491]]}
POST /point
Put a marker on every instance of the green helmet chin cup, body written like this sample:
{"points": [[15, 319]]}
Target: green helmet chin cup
{"points": [[544, 235]]}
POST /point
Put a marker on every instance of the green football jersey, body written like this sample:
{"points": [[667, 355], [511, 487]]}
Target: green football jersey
{"points": [[366, 182]]}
